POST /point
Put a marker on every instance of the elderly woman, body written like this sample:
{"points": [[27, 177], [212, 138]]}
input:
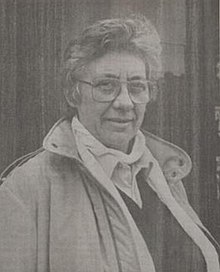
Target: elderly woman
{"points": [[87, 201]]}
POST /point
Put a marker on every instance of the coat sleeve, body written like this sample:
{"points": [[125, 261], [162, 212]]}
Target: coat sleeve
{"points": [[17, 233]]}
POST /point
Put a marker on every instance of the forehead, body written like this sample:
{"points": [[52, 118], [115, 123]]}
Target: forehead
{"points": [[117, 64]]}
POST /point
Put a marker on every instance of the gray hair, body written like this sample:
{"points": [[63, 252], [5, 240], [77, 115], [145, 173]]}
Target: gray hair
{"points": [[136, 35]]}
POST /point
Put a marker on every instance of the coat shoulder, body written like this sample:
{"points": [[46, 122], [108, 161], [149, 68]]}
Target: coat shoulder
{"points": [[174, 161], [31, 176]]}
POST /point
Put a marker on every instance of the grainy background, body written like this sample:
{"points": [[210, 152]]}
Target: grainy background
{"points": [[33, 35]]}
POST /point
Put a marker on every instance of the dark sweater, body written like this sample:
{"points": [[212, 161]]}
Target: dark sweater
{"points": [[171, 248]]}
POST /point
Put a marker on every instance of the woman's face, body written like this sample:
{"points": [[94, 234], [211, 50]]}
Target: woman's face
{"points": [[113, 123]]}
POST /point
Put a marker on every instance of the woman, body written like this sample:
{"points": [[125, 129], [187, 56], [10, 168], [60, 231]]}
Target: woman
{"points": [[87, 200]]}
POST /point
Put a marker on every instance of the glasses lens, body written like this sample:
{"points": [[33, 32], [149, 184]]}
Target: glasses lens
{"points": [[139, 91], [105, 90]]}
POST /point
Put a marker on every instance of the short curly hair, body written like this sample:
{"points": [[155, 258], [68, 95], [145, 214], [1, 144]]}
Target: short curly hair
{"points": [[136, 35]]}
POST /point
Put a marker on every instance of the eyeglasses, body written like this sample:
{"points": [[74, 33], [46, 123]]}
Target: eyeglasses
{"points": [[107, 89]]}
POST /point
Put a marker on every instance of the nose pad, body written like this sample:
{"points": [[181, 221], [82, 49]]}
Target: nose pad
{"points": [[123, 99]]}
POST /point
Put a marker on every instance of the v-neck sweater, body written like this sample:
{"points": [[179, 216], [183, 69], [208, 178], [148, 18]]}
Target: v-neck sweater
{"points": [[158, 227]]}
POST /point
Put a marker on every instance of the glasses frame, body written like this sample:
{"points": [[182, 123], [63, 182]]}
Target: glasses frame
{"points": [[148, 82]]}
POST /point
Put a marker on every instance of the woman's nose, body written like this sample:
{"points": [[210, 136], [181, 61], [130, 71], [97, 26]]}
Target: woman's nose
{"points": [[123, 100]]}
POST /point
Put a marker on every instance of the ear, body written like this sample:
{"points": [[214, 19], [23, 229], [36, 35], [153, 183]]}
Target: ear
{"points": [[153, 90], [73, 96]]}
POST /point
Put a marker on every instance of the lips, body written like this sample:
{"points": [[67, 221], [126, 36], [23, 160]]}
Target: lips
{"points": [[119, 120]]}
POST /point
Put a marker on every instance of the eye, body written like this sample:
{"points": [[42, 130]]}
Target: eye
{"points": [[137, 86], [104, 85]]}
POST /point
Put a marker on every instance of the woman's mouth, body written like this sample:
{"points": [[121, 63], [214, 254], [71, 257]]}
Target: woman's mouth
{"points": [[119, 124], [120, 120]]}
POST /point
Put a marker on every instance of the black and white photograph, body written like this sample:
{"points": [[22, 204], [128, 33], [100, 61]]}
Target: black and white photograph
{"points": [[109, 136]]}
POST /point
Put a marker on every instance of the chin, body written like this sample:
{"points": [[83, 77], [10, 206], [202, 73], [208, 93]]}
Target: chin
{"points": [[118, 141]]}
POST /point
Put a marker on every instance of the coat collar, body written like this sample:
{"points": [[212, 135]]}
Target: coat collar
{"points": [[175, 163]]}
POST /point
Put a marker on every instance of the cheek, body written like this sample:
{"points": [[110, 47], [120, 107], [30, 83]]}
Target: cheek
{"points": [[92, 112], [87, 107], [140, 110]]}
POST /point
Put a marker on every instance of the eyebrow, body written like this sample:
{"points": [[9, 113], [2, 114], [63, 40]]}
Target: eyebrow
{"points": [[136, 77], [110, 75]]}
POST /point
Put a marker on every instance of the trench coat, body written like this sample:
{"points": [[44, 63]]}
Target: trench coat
{"points": [[57, 215]]}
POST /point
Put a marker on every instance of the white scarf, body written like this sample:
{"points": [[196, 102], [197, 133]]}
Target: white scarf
{"points": [[121, 168]]}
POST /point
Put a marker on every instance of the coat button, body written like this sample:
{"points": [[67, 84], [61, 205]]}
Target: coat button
{"points": [[54, 145]]}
